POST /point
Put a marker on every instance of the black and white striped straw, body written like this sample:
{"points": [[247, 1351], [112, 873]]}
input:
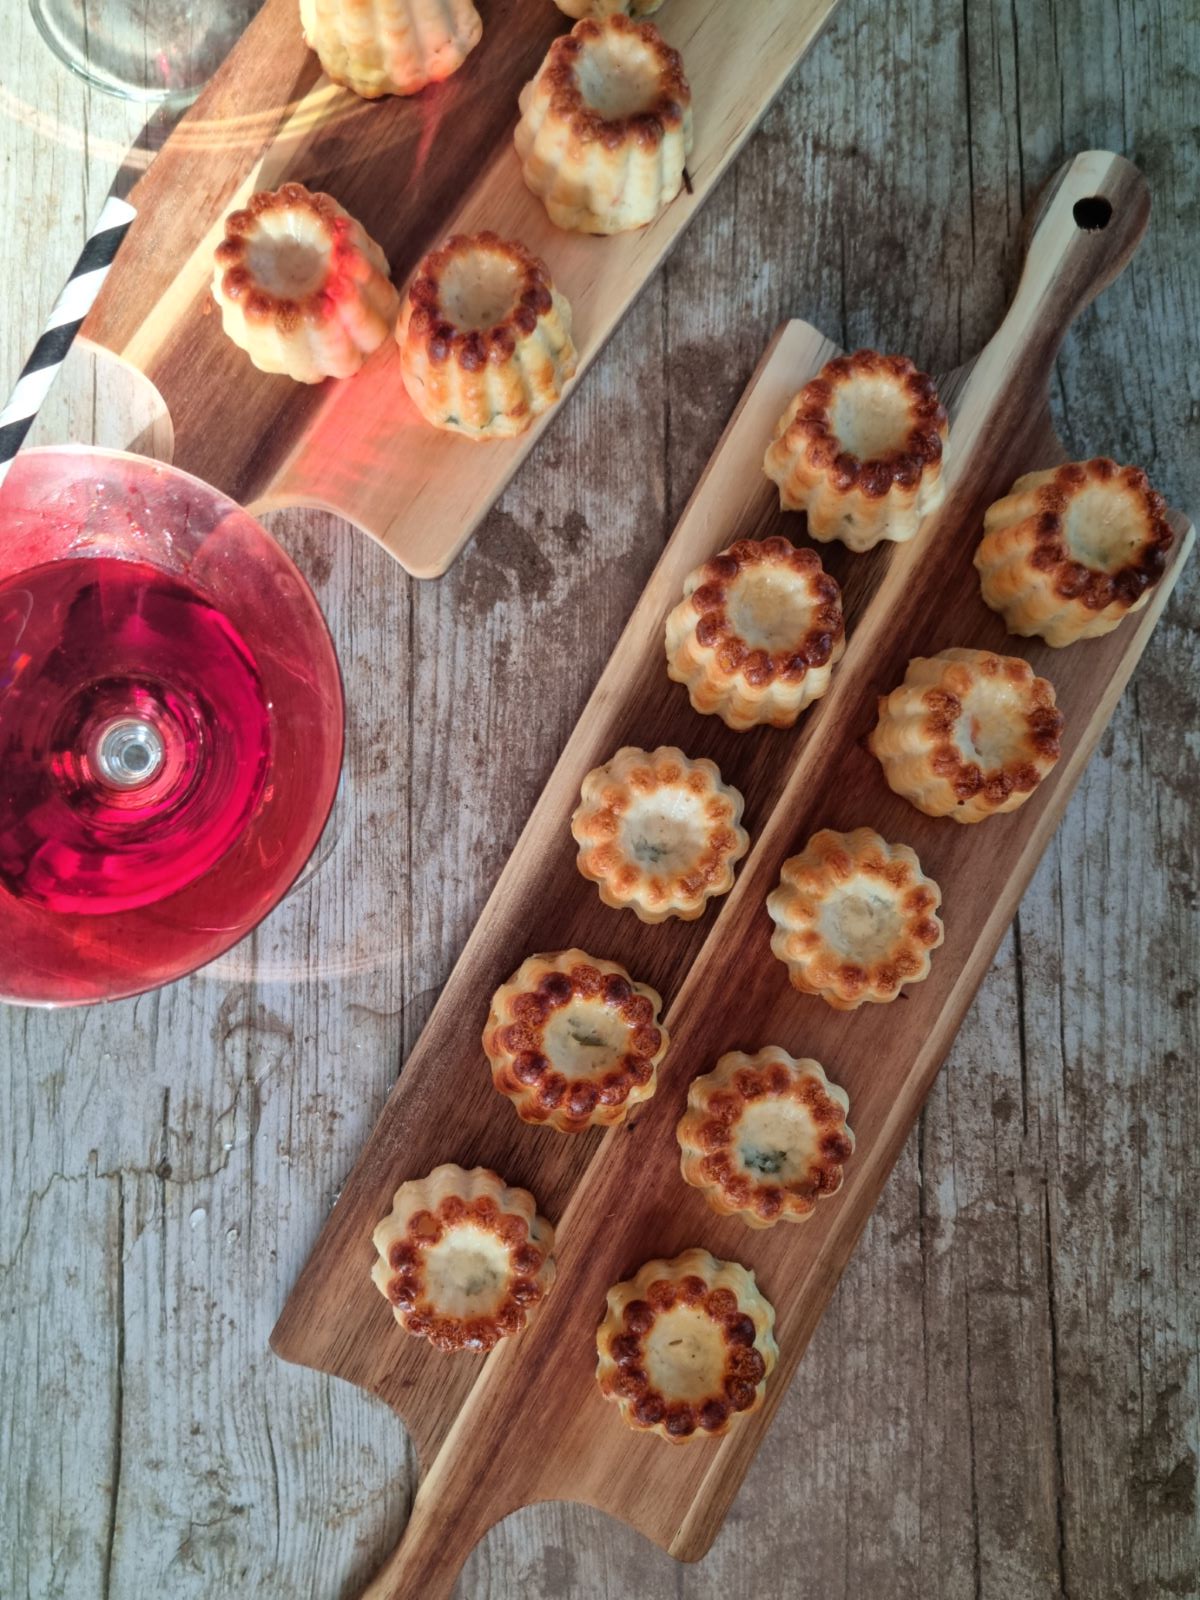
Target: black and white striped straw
{"points": [[71, 307]]}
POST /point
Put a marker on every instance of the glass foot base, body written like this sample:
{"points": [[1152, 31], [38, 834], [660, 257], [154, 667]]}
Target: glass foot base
{"points": [[151, 50]]}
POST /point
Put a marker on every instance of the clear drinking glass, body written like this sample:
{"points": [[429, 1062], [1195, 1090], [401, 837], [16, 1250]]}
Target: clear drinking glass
{"points": [[171, 724], [152, 50]]}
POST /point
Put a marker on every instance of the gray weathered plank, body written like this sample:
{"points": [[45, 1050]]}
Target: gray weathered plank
{"points": [[1003, 1397]]}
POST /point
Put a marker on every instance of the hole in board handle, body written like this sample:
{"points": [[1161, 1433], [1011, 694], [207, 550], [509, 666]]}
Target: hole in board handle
{"points": [[1093, 213]]}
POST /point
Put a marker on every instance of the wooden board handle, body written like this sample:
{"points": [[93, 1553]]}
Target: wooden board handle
{"points": [[426, 1564], [1083, 227], [1080, 233]]}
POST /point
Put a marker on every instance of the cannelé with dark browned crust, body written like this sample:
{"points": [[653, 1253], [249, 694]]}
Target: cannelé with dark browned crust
{"points": [[686, 1346], [485, 338], [860, 449], [968, 734], [303, 288], [464, 1260], [606, 126], [757, 633], [573, 1041], [1069, 552], [764, 1136]]}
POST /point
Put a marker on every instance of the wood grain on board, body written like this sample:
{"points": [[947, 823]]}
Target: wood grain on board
{"points": [[1001, 1398], [412, 171], [619, 1201]]}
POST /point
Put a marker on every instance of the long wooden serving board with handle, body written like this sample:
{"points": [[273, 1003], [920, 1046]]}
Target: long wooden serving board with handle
{"points": [[412, 171], [528, 1422]]}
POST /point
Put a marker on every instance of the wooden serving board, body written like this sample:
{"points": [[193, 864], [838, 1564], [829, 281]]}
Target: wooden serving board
{"points": [[412, 171], [528, 1423]]}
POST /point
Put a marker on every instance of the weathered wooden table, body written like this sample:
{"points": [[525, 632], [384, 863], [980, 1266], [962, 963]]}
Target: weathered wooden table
{"points": [[1003, 1397]]}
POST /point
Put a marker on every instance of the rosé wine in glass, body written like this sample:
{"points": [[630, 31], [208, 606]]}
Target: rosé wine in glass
{"points": [[170, 725]]}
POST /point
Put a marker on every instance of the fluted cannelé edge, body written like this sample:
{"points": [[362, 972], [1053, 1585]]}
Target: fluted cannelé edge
{"points": [[573, 1041], [303, 288], [968, 734], [764, 1136], [606, 126], [686, 1346], [855, 918], [485, 338], [381, 47], [860, 449], [659, 833], [1068, 552], [464, 1260], [757, 633]]}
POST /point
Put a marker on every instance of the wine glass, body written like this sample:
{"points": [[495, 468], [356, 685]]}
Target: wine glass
{"points": [[171, 723], [151, 50]]}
